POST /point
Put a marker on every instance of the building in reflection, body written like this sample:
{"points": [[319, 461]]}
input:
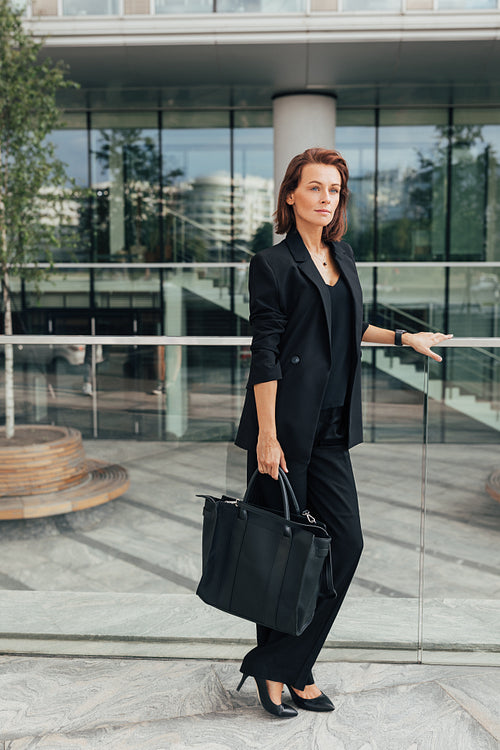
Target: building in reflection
{"points": [[187, 114]]}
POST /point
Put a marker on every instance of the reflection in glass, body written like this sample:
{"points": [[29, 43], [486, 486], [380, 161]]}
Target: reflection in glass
{"points": [[466, 4], [371, 5], [61, 291], [71, 147], [184, 6], [475, 229], [410, 298], [90, 7], [127, 288], [261, 6], [125, 181], [462, 560], [253, 183], [411, 196], [198, 207], [474, 308], [356, 142]]}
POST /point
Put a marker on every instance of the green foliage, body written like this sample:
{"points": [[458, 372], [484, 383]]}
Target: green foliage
{"points": [[33, 182], [262, 238]]}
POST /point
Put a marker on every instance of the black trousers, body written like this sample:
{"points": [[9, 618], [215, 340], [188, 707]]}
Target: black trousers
{"points": [[325, 486]]}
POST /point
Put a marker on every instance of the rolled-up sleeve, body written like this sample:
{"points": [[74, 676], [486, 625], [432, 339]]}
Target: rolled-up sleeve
{"points": [[268, 321]]}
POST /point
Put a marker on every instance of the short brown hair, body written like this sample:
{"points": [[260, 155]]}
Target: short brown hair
{"points": [[284, 217]]}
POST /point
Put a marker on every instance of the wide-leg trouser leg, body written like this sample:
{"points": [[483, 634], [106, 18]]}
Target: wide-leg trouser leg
{"points": [[326, 487]]}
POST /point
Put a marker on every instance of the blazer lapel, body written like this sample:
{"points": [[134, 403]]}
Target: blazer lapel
{"points": [[306, 265]]}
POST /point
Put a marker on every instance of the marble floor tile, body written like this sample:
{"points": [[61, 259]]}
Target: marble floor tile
{"points": [[376, 722], [106, 704], [479, 694], [73, 695]]}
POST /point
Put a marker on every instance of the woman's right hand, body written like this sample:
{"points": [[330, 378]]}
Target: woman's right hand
{"points": [[270, 455]]}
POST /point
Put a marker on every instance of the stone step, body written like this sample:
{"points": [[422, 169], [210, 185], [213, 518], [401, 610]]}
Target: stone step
{"points": [[467, 404], [182, 626]]}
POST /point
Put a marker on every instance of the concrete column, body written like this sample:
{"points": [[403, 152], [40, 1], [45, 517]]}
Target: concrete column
{"points": [[300, 121]]}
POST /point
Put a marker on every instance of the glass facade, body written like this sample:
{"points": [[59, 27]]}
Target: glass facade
{"points": [[466, 4], [366, 6], [125, 167], [90, 7], [174, 186], [182, 7], [197, 185]]}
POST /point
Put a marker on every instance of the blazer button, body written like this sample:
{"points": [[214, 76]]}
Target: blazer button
{"points": [[295, 360]]}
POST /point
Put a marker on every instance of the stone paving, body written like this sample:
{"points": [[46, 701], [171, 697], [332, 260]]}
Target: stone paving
{"points": [[94, 704]]}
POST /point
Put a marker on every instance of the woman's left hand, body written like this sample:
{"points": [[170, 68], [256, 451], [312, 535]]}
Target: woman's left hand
{"points": [[423, 341]]}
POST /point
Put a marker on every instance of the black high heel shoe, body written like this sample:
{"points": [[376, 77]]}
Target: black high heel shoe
{"points": [[282, 710], [321, 703]]}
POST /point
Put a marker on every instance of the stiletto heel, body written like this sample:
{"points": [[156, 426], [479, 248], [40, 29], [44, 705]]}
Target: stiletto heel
{"points": [[321, 703], [242, 681], [282, 709]]}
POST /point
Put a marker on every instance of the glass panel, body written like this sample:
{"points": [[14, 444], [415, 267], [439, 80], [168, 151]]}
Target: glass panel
{"points": [[253, 183], [474, 301], [466, 4], [184, 6], [410, 298], [147, 541], [261, 6], [386, 580], [90, 7], [412, 185], [355, 137], [462, 556], [125, 181], [371, 5], [128, 289], [19, 4], [198, 201], [72, 149], [63, 290], [206, 301], [138, 542], [475, 227]]}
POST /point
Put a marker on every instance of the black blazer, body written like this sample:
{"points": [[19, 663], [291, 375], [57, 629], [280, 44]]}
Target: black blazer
{"points": [[290, 315]]}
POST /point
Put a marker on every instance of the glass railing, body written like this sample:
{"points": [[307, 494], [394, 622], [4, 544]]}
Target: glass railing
{"points": [[47, 8], [461, 297], [120, 530]]}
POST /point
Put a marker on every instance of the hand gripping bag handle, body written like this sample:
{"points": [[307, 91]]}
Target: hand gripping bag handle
{"points": [[287, 492]]}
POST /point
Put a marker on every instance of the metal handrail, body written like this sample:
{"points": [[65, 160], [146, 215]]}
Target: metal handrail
{"points": [[479, 264], [457, 343]]}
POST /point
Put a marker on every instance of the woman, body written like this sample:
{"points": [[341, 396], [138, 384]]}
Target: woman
{"points": [[302, 410]]}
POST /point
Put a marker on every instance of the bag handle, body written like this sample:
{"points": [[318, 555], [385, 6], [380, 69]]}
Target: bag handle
{"points": [[286, 492]]}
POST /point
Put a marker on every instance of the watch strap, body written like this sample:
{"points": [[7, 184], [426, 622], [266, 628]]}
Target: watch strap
{"points": [[398, 334]]}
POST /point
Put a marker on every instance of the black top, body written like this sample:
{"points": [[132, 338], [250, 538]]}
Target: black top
{"points": [[342, 345]]}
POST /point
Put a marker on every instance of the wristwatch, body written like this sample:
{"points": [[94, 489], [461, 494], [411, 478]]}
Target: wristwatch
{"points": [[398, 333]]}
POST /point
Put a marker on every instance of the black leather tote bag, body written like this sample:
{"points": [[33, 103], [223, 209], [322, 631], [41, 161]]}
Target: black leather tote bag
{"points": [[262, 565]]}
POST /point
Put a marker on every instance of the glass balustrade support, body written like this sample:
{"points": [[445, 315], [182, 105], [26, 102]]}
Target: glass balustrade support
{"points": [[427, 586]]}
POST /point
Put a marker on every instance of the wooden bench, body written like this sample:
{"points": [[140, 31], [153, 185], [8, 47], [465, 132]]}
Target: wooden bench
{"points": [[493, 485], [44, 472]]}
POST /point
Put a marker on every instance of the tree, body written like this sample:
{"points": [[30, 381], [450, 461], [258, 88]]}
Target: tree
{"points": [[32, 180], [263, 237], [132, 161]]}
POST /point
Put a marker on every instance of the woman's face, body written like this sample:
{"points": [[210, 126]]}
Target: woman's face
{"points": [[316, 197]]}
